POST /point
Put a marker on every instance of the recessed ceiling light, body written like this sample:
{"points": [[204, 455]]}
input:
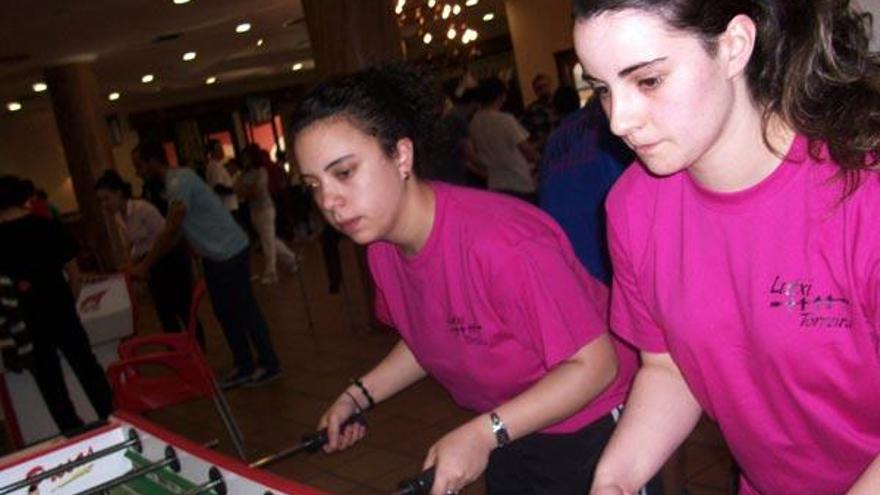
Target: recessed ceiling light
{"points": [[40, 87], [180, 2], [148, 78], [426, 39], [13, 106], [243, 27], [471, 3], [211, 80], [432, 3], [113, 96], [452, 33], [189, 56], [297, 66], [260, 42], [456, 9], [488, 17]]}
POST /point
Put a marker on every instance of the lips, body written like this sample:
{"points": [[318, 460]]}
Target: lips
{"points": [[349, 225]]}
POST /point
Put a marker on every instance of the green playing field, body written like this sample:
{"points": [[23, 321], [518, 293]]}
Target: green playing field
{"points": [[161, 482]]}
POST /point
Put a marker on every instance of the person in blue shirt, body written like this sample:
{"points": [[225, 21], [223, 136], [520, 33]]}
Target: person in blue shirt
{"points": [[581, 161], [196, 211]]}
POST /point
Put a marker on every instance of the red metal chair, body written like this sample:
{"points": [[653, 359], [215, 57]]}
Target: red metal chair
{"points": [[139, 386], [168, 341]]}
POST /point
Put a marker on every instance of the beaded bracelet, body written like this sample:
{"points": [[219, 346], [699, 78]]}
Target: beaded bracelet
{"points": [[359, 384], [357, 404]]}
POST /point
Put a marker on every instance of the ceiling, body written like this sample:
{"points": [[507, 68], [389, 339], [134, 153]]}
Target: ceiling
{"points": [[127, 39]]}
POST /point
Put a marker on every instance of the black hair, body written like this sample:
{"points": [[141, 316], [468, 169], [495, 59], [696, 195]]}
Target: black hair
{"points": [[13, 192], [490, 89], [210, 145], [110, 180], [811, 65], [151, 151], [566, 100], [388, 102]]}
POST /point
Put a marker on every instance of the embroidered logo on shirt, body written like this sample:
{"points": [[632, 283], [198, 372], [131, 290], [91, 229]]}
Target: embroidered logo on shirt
{"points": [[471, 333], [814, 309]]}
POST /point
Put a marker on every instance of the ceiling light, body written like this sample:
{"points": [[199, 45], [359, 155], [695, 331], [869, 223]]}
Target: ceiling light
{"points": [[456, 9], [260, 42], [427, 38], [180, 2], [40, 87], [432, 3], [243, 27], [471, 3], [189, 56], [148, 78], [488, 17], [113, 96], [211, 80], [451, 34], [446, 11], [13, 106], [297, 66]]}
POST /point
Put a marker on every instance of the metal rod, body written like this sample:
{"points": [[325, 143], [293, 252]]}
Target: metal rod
{"points": [[204, 487], [133, 474], [69, 465]]}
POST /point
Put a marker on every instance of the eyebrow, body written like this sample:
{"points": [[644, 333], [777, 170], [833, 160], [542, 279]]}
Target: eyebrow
{"points": [[337, 161], [628, 70]]}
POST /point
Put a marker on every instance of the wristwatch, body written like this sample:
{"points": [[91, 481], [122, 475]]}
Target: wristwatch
{"points": [[499, 430]]}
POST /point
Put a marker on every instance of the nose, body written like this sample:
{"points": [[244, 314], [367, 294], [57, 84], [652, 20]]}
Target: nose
{"points": [[328, 198], [624, 114]]}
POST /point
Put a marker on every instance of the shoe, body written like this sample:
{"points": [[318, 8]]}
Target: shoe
{"points": [[234, 379], [262, 376], [269, 279]]}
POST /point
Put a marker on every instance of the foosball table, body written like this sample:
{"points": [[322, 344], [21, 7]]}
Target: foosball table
{"points": [[130, 456]]}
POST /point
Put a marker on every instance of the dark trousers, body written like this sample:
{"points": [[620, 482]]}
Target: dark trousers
{"points": [[229, 284], [171, 285], [64, 332], [558, 464]]}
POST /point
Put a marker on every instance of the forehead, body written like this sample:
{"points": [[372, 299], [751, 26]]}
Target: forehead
{"points": [[613, 41], [326, 140]]}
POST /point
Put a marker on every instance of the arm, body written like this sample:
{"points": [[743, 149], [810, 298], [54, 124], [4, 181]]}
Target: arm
{"points": [[164, 242], [659, 415], [470, 158], [462, 455], [397, 371], [74, 277], [529, 151], [869, 482]]}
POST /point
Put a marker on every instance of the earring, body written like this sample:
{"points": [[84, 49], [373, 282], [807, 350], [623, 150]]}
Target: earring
{"points": [[406, 176]]}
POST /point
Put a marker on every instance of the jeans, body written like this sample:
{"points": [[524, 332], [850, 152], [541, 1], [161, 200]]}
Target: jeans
{"points": [[229, 284]]}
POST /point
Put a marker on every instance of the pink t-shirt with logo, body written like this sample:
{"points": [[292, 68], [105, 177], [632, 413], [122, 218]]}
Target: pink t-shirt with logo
{"points": [[494, 300], [767, 299]]}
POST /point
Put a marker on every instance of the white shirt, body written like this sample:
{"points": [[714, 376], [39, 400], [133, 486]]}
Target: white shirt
{"points": [[140, 225], [216, 173], [495, 136]]}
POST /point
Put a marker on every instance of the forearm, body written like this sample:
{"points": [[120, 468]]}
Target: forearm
{"points": [[165, 241], [565, 390], [397, 371], [869, 482], [659, 415]]}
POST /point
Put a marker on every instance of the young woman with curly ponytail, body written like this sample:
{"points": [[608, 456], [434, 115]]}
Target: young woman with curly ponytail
{"points": [[745, 242]]}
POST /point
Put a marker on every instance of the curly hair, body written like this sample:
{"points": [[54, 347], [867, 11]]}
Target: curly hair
{"points": [[388, 102], [811, 66]]}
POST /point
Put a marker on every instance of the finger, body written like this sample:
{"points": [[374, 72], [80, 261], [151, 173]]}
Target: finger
{"points": [[430, 459]]}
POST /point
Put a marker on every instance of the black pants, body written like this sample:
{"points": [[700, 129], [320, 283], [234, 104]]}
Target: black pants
{"points": [[62, 331], [171, 285], [559, 464], [229, 283]]}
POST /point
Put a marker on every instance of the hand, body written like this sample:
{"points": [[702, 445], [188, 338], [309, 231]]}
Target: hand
{"points": [[607, 490], [461, 456], [138, 271], [341, 410]]}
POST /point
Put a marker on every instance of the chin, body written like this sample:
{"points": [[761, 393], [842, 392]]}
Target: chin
{"points": [[662, 167]]}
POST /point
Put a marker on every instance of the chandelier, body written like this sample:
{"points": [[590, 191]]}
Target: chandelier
{"points": [[438, 24]]}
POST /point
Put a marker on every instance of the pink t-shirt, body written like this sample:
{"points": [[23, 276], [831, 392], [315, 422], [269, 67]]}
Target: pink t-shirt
{"points": [[767, 299], [494, 300]]}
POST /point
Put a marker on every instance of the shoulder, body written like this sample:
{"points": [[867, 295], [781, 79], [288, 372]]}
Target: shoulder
{"points": [[633, 191]]}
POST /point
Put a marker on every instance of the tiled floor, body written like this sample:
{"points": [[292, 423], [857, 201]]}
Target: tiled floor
{"points": [[318, 363]]}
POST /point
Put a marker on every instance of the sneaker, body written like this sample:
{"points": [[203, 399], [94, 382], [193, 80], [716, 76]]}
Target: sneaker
{"points": [[262, 376], [234, 379], [269, 279]]}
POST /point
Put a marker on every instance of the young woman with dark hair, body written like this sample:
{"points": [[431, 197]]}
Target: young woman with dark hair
{"points": [[171, 277], [745, 248], [487, 295]]}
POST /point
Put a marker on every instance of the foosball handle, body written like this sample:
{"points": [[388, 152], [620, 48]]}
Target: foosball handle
{"points": [[420, 485], [313, 442]]}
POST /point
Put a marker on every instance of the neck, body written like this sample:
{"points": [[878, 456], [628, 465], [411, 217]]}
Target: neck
{"points": [[416, 220], [741, 158]]}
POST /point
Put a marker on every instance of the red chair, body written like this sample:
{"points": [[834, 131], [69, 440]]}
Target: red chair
{"points": [[138, 386], [169, 341]]}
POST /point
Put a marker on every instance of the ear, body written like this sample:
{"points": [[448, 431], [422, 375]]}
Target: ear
{"points": [[736, 44], [403, 157]]}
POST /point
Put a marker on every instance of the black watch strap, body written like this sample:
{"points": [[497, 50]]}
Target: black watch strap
{"points": [[499, 429]]}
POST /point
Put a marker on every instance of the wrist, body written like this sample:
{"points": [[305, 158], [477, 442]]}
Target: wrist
{"points": [[482, 427]]}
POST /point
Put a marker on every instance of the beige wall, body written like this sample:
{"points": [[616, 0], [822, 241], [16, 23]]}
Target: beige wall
{"points": [[538, 29], [30, 147]]}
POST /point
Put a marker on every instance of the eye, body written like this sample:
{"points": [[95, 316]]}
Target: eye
{"points": [[650, 83], [343, 173], [312, 184]]}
